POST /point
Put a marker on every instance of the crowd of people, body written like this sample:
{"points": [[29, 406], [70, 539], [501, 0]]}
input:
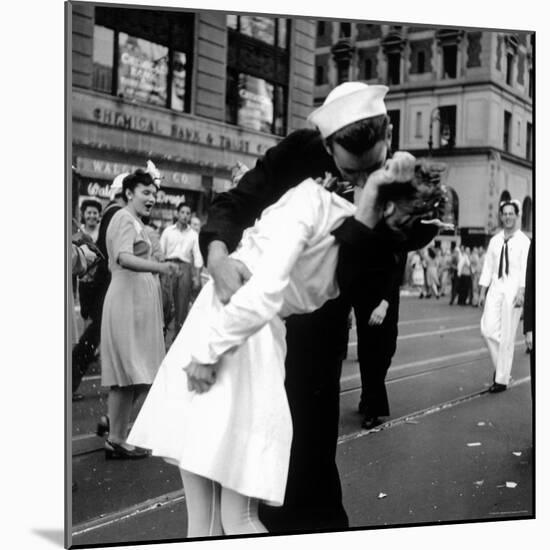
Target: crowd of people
{"points": [[453, 272], [245, 402]]}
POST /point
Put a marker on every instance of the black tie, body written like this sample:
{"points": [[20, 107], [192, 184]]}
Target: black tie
{"points": [[503, 259]]}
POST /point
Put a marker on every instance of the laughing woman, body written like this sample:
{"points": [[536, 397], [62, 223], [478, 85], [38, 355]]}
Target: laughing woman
{"points": [[132, 343]]}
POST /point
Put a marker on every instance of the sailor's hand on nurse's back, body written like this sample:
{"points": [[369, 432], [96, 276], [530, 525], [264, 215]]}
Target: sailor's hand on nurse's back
{"points": [[228, 273]]}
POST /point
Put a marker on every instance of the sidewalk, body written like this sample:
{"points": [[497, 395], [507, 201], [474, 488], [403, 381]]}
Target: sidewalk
{"points": [[469, 461]]}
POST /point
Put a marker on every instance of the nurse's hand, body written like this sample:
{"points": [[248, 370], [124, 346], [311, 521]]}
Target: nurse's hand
{"points": [[200, 378], [228, 273]]}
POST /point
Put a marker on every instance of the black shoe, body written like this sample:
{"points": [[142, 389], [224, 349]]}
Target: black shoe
{"points": [[116, 451], [497, 388], [103, 426], [370, 422], [77, 397]]}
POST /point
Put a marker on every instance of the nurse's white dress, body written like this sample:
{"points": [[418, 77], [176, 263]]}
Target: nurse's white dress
{"points": [[239, 432]]}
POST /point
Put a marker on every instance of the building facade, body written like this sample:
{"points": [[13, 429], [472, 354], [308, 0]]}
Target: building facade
{"points": [[195, 92], [464, 97]]}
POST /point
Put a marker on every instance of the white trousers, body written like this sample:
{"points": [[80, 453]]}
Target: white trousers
{"points": [[499, 325]]}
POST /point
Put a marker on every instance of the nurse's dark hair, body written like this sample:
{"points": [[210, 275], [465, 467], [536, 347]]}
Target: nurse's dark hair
{"points": [[131, 181], [362, 135], [422, 198]]}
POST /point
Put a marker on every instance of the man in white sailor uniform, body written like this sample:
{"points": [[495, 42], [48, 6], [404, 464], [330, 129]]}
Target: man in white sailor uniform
{"points": [[502, 287]]}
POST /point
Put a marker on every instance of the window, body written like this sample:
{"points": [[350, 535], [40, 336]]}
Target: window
{"points": [[507, 130], [258, 74], [321, 28], [395, 118], [269, 30], [447, 126], [103, 59], [449, 61], [418, 125], [345, 30], [421, 61], [257, 104], [319, 75], [143, 56], [368, 69], [509, 68], [528, 142], [394, 68]]}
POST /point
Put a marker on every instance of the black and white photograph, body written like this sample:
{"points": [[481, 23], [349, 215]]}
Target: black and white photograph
{"points": [[299, 277], [299, 265]]}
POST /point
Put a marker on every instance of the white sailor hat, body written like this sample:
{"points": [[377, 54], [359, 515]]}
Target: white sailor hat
{"points": [[348, 103]]}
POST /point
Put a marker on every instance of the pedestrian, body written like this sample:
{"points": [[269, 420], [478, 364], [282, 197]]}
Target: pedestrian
{"points": [[232, 442], [417, 268], [82, 258], [90, 211], [85, 350], [476, 272], [502, 286], [132, 343], [453, 272], [180, 244], [195, 223], [445, 272], [529, 314], [351, 140], [376, 307], [432, 275], [464, 274]]}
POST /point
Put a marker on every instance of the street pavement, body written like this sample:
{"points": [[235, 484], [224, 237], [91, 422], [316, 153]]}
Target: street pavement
{"points": [[449, 452]]}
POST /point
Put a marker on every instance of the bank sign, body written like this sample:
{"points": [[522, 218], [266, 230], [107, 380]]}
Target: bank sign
{"points": [[164, 123]]}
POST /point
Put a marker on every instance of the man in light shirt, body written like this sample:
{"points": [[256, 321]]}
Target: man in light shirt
{"points": [[180, 243], [502, 287]]}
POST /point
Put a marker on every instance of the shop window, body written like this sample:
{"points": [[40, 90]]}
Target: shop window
{"points": [[528, 142], [255, 103], [450, 61], [447, 126], [258, 74], [507, 131], [103, 59], [143, 56], [394, 68], [395, 119]]}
